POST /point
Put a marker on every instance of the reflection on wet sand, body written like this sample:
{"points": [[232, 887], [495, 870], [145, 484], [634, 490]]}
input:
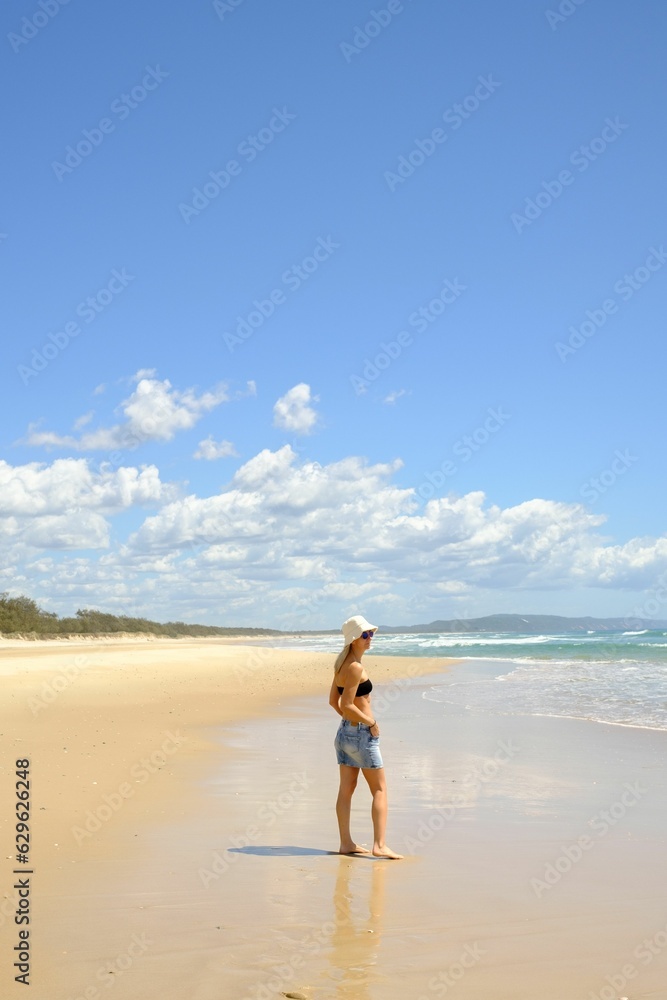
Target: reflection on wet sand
{"points": [[358, 902]]}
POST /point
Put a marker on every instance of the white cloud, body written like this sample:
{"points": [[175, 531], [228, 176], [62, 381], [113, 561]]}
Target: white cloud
{"points": [[292, 412], [153, 412], [83, 530], [450, 587], [70, 483], [393, 396], [250, 390], [210, 449], [64, 505], [317, 543], [300, 520], [83, 420]]}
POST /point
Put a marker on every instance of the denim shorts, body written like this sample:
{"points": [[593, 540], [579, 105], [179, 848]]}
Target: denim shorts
{"points": [[356, 747]]}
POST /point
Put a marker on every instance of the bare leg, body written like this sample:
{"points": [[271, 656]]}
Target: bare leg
{"points": [[378, 786], [348, 782]]}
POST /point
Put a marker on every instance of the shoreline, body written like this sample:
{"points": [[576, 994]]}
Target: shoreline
{"points": [[88, 712], [155, 762], [121, 739], [134, 638]]}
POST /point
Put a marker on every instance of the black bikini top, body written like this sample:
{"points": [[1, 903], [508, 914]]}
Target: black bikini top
{"points": [[364, 688]]}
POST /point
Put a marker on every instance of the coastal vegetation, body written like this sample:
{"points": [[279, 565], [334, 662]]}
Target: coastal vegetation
{"points": [[21, 617]]}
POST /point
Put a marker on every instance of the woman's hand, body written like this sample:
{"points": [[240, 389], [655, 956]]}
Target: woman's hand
{"points": [[375, 729]]}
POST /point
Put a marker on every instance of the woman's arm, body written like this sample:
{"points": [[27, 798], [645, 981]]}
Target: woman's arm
{"points": [[347, 707], [334, 697]]}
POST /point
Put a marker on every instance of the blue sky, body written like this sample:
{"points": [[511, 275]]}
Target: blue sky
{"points": [[471, 196]]}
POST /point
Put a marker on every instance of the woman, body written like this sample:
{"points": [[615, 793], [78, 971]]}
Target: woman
{"points": [[357, 741]]}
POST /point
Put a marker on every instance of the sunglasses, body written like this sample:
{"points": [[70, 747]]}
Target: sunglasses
{"points": [[367, 635]]}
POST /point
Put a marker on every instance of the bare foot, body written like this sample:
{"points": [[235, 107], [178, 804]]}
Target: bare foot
{"points": [[352, 848], [385, 852]]}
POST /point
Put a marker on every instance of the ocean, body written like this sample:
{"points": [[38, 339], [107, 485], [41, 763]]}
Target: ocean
{"points": [[610, 677]]}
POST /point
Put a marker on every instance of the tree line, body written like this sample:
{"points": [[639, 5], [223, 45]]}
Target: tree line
{"points": [[21, 616]]}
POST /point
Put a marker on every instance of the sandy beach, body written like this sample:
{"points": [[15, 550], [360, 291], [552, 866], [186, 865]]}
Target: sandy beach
{"points": [[183, 835]]}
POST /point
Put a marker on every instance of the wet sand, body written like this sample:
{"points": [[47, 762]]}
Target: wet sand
{"points": [[184, 836]]}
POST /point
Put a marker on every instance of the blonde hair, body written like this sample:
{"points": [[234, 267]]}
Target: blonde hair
{"points": [[340, 659]]}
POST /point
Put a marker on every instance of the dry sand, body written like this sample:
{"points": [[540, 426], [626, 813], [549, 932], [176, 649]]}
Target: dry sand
{"points": [[182, 822]]}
